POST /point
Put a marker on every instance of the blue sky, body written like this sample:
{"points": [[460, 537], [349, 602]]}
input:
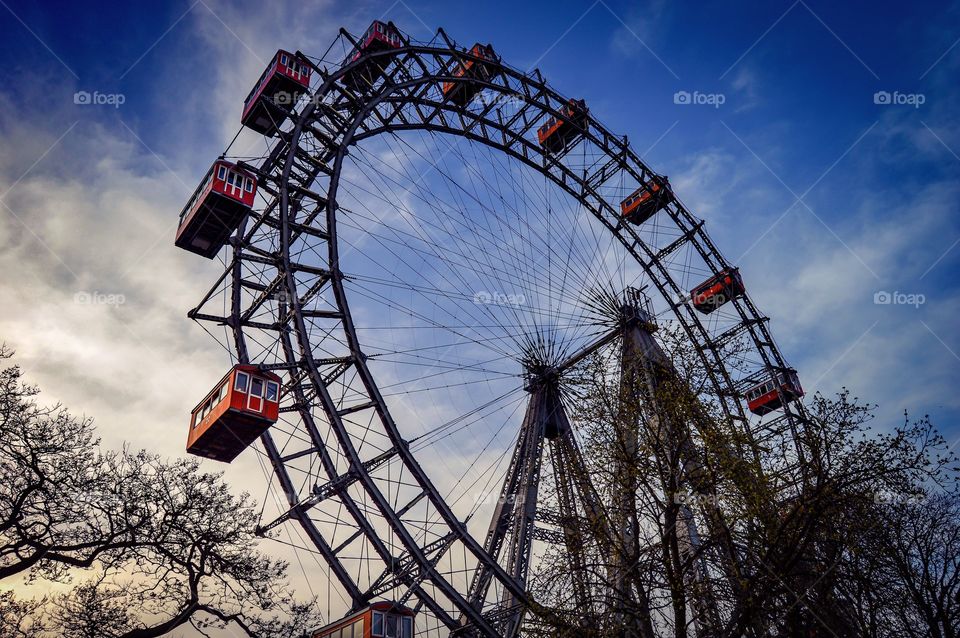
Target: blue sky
{"points": [[91, 192], [798, 116]]}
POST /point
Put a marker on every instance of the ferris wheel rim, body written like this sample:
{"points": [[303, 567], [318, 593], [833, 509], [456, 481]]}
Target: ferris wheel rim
{"points": [[744, 307]]}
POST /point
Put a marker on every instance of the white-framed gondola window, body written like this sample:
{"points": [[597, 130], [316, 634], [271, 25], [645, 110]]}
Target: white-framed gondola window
{"points": [[272, 390], [203, 412], [377, 624], [241, 383], [221, 172], [407, 627]]}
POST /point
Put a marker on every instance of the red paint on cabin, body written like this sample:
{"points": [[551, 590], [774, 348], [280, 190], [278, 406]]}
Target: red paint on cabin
{"points": [[274, 95], [476, 71], [643, 203], [773, 393], [379, 620], [234, 414], [379, 36], [559, 133], [718, 290], [223, 199]]}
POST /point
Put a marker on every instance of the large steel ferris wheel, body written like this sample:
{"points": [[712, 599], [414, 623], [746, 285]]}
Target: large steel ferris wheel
{"points": [[437, 244]]}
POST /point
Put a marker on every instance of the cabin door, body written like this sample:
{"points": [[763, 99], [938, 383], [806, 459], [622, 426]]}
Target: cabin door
{"points": [[255, 398], [234, 185]]}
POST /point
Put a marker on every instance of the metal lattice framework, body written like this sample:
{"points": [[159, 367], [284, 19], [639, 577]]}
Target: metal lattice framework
{"points": [[352, 477]]}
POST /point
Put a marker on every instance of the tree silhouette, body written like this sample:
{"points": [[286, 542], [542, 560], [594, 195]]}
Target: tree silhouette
{"points": [[831, 529], [147, 544]]}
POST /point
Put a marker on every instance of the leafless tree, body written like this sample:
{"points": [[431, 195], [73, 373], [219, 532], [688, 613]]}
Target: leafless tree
{"points": [[833, 528], [147, 544]]}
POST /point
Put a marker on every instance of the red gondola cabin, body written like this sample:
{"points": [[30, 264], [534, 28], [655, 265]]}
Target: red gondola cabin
{"points": [[380, 36], [280, 86], [558, 134], [644, 202], [782, 387], [239, 409], [717, 290], [217, 207], [379, 620], [476, 72]]}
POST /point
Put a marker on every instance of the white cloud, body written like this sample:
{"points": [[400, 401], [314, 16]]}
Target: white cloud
{"points": [[104, 207], [814, 280]]}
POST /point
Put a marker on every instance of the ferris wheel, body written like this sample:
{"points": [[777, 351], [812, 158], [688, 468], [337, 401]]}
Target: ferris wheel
{"points": [[432, 244]]}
